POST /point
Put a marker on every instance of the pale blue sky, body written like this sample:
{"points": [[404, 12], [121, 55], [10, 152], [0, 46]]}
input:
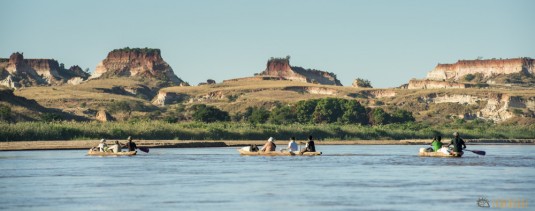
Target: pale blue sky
{"points": [[387, 42]]}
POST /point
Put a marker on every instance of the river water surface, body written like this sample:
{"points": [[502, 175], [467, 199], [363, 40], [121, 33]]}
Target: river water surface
{"points": [[356, 177]]}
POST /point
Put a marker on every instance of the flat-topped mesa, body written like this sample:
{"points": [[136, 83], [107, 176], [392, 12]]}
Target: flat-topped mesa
{"points": [[138, 62], [280, 67], [33, 72], [487, 68]]}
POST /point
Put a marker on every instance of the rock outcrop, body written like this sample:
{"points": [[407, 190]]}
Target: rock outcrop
{"points": [[104, 116], [498, 107], [487, 68], [17, 72], [280, 67], [146, 63], [431, 84]]}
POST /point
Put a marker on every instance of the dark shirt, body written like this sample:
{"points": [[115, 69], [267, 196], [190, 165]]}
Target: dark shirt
{"points": [[311, 147], [131, 146], [458, 144]]}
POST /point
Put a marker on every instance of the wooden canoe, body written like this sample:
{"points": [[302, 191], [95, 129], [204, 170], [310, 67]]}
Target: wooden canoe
{"points": [[277, 153], [98, 153], [423, 153]]}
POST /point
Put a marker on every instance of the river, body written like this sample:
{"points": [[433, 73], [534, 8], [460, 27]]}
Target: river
{"points": [[345, 177]]}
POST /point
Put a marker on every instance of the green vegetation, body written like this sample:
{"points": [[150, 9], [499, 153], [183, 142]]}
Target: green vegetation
{"points": [[159, 130], [5, 112], [469, 77], [205, 113], [363, 83]]}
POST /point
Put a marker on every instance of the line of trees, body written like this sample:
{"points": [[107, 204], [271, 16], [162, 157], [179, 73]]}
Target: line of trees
{"points": [[326, 110]]}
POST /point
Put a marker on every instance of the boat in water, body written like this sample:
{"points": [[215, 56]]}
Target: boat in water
{"points": [[99, 153], [277, 153], [441, 153]]}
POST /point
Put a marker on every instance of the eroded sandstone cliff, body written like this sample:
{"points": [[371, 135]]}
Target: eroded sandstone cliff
{"points": [[137, 62], [487, 68], [17, 72], [280, 67], [431, 84]]}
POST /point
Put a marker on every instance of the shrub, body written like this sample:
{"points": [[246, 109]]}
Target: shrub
{"points": [[379, 117], [50, 117], [469, 77], [283, 115], [258, 115], [363, 83], [204, 113], [5, 112]]}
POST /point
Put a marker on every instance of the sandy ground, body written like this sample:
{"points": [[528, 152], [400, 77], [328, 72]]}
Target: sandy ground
{"points": [[86, 144]]}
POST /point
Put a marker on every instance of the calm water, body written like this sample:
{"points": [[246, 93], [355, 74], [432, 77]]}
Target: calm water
{"points": [[344, 178]]}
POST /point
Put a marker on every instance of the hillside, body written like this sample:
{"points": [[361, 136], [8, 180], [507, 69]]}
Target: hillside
{"points": [[433, 105]]}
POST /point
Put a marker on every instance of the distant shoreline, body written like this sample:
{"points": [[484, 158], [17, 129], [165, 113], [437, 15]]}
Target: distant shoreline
{"points": [[86, 144]]}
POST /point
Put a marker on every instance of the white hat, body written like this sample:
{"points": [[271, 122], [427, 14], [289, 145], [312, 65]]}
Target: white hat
{"points": [[271, 139], [102, 140]]}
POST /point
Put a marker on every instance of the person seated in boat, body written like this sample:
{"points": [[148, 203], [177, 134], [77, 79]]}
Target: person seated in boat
{"points": [[251, 148], [130, 144], [292, 146], [269, 146], [458, 143], [102, 146], [309, 147], [436, 144], [115, 148]]}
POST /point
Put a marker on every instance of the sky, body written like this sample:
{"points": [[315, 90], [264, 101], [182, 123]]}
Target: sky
{"points": [[385, 41]]}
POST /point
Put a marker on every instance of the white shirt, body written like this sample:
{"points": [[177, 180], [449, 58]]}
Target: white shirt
{"points": [[292, 146]]}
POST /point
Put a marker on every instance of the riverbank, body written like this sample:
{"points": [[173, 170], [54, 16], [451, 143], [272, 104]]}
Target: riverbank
{"points": [[86, 144]]}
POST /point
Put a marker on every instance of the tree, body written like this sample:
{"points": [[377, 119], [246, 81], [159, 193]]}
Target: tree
{"points": [[258, 115], [378, 116], [328, 110], [401, 116], [305, 109], [363, 83], [283, 115], [354, 112], [204, 113]]}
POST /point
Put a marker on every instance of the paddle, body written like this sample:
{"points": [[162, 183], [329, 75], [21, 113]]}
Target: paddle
{"points": [[479, 152], [144, 149]]}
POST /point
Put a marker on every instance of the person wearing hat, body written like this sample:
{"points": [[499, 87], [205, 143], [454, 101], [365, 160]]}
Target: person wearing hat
{"points": [[269, 146], [116, 147], [292, 146], [130, 144], [102, 146], [458, 143]]}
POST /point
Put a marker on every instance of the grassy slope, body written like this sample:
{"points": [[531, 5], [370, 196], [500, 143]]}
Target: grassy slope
{"points": [[258, 93]]}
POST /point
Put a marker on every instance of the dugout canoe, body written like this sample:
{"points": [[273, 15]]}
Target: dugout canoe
{"points": [[277, 153], [424, 153], [98, 153]]}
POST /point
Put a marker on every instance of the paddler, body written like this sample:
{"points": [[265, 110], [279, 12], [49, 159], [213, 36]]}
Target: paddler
{"points": [[458, 143], [436, 143]]}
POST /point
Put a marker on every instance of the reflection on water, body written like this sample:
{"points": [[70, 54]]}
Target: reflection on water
{"points": [[345, 177]]}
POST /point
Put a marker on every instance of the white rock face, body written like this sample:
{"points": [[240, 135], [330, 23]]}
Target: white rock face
{"points": [[498, 106], [75, 81], [487, 68]]}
